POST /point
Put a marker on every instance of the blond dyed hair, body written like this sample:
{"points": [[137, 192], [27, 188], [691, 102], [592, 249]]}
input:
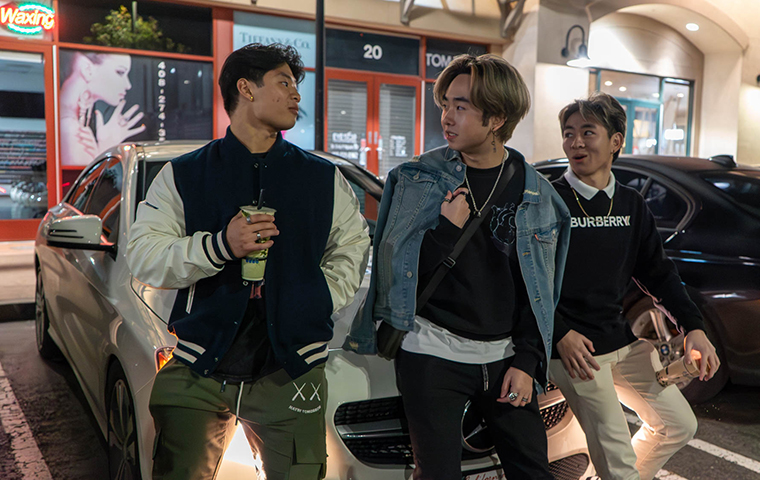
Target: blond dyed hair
{"points": [[496, 88]]}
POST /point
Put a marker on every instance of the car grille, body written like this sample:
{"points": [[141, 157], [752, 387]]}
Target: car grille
{"points": [[569, 468], [554, 414], [369, 411], [375, 431]]}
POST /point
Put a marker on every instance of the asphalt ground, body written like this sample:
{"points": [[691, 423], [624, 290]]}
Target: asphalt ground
{"points": [[70, 446]]}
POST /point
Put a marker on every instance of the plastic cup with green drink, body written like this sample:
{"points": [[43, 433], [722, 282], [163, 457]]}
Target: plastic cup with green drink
{"points": [[254, 264]]}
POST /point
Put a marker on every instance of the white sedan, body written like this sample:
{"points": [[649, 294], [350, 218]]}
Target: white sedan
{"points": [[112, 331]]}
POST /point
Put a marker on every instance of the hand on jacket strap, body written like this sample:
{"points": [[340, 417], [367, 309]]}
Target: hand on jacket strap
{"points": [[455, 207]]}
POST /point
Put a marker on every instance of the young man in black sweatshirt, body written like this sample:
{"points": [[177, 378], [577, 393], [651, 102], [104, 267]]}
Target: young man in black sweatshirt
{"points": [[598, 362]]}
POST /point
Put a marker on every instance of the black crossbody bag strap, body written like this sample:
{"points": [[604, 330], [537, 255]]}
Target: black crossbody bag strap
{"points": [[450, 261]]}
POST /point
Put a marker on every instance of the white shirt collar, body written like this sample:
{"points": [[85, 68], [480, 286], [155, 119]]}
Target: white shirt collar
{"points": [[587, 191]]}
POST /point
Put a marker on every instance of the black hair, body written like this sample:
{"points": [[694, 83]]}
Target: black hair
{"points": [[252, 62]]}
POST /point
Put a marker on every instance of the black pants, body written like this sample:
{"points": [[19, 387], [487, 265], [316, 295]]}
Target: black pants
{"points": [[435, 391]]}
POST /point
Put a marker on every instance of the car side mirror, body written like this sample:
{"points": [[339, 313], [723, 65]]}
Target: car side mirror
{"points": [[82, 233]]}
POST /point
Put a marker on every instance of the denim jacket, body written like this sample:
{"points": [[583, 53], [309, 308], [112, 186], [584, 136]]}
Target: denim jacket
{"points": [[411, 205]]}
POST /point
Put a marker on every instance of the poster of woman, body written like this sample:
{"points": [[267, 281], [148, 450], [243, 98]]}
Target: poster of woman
{"points": [[87, 78], [109, 98]]}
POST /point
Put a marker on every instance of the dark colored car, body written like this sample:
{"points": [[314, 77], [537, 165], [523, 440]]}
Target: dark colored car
{"points": [[708, 215]]}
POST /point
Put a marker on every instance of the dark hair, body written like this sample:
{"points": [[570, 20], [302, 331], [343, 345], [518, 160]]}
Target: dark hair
{"points": [[496, 88], [252, 62], [603, 108]]}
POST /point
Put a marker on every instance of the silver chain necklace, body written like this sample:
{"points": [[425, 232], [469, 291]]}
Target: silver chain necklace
{"points": [[472, 196]]}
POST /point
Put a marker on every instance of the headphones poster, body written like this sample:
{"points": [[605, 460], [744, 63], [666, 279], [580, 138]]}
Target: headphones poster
{"points": [[109, 98]]}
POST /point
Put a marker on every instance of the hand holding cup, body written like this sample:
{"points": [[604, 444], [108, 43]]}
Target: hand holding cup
{"points": [[251, 233]]}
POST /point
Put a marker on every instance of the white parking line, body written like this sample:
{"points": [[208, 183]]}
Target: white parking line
{"points": [[666, 475], [719, 452], [29, 460], [732, 457]]}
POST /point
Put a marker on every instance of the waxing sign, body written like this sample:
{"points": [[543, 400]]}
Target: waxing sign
{"points": [[27, 18]]}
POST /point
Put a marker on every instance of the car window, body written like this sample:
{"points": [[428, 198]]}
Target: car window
{"points": [[111, 222], [667, 206], [631, 179], [105, 199], [742, 186], [107, 191], [81, 193]]}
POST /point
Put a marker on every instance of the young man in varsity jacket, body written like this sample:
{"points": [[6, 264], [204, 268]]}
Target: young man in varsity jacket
{"points": [[598, 361], [248, 352]]}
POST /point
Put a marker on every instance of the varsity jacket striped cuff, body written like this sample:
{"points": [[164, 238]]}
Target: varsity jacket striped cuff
{"points": [[217, 249]]}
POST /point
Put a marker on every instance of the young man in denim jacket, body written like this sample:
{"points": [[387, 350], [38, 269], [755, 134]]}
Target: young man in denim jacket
{"points": [[485, 333]]}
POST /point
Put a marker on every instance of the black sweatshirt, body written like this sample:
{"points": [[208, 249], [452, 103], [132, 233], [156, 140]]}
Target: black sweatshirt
{"points": [[484, 297], [605, 253]]}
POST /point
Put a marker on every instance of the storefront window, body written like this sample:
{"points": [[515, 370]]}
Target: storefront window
{"points": [[439, 53], [658, 111], [266, 29], [183, 24], [675, 118], [23, 152], [108, 98], [593, 78]]}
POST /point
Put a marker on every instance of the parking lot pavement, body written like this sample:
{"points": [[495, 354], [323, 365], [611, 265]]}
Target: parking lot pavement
{"points": [[46, 399], [16, 280]]}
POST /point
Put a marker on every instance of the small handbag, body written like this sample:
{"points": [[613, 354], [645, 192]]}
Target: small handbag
{"points": [[389, 338]]}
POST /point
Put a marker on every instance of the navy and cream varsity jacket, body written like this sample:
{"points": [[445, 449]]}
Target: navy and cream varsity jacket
{"points": [[314, 268]]}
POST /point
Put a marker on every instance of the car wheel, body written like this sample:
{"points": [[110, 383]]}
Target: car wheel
{"points": [[45, 344], [651, 324], [123, 457]]}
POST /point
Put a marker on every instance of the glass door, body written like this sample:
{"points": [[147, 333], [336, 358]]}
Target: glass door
{"points": [[397, 125], [27, 179], [373, 119], [348, 117]]}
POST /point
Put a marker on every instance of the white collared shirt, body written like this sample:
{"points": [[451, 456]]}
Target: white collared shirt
{"points": [[585, 190]]}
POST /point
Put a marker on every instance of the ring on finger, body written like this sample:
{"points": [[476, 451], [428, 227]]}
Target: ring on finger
{"points": [[447, 200], [512, 396], [258, 236], [248, 220], [525, 399]]}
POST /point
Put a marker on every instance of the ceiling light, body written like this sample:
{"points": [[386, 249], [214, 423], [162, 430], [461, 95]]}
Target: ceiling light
{"points": [[656, 95], [622, 89], [608, 83], [680, 95], [692, 27]]}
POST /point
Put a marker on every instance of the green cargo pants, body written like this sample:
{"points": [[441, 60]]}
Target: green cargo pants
{"points": [[283, 419]]}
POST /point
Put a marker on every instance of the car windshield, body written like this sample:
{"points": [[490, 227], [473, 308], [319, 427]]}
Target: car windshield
{"points": [[741, 185]]}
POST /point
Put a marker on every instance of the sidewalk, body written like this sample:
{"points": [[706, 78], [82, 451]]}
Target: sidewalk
{"points": [[16, 280]]}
